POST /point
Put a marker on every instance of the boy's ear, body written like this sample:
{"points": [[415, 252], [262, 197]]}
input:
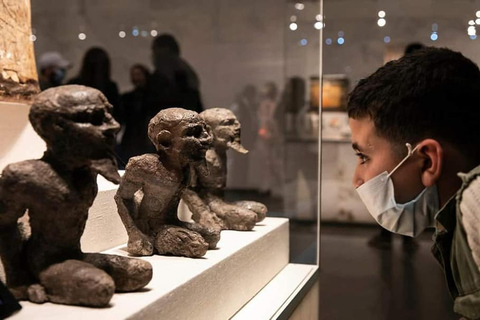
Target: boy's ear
{"points": [[432, 153]]}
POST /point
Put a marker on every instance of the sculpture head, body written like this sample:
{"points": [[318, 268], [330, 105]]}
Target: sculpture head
{"points": [[225, 127], [179, 135], [78, 128]]}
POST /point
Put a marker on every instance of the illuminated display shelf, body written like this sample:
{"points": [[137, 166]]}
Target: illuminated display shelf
{"points": [[247, 277], [248, 274]]}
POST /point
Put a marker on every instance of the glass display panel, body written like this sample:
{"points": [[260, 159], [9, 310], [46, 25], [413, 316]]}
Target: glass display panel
{"points": [[255, 58]]}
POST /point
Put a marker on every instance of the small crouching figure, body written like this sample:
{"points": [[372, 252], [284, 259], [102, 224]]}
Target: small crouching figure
{"points": [[205, 198], [152, 186], [57, 190]]}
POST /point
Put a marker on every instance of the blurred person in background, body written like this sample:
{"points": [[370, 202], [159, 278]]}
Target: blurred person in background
{"points": [[245, 107], [95, 72], [174, 82], [134, 117], [269, 144], [53, 68], [292, 102]]}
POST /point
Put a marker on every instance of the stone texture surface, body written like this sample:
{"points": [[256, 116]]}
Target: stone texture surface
{"points": [[224, 281], [41, 255], [151, 188], [205, 196]]}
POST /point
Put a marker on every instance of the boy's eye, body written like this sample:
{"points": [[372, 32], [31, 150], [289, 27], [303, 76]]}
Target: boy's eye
{"points": [[363, 158]]}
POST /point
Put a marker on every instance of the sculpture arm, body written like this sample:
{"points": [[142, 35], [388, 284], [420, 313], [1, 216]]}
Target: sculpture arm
{"points": [[12, 241], [138, 242], [194, 203], [192, 199], [125, 201]]}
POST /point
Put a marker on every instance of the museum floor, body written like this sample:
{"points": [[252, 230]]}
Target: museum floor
{"points": [[360, 282], [363, 283]]}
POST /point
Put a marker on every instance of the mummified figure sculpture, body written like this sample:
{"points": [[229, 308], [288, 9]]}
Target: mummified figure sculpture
{"points": [[205, 197], [151, 188], [57, 190]]}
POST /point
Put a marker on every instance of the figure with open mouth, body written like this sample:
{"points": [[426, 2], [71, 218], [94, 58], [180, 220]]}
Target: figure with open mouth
{"points": [[151, 188], [47, 263], [205, 198]]}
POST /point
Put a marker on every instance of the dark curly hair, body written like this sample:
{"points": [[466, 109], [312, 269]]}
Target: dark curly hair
{"points": [[431, 93]]}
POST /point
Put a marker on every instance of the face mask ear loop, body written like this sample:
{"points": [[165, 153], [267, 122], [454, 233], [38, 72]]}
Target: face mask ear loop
{"points": [[410, 152]]}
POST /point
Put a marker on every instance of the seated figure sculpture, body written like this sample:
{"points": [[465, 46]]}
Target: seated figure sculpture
{"points": [[57, 190], [205, 198], [152, 185]]}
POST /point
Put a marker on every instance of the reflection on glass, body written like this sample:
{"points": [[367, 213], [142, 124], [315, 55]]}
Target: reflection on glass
{"points": [[257, 65]]}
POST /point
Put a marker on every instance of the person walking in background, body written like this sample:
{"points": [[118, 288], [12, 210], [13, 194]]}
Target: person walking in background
{"points": [[53, 68], [269, 143], [174, 82], [134, 116], [245, 107], [95, 73], [292, 103]]}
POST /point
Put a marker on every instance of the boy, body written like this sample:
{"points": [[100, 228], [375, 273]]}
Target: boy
{"points": [[415, 127]]}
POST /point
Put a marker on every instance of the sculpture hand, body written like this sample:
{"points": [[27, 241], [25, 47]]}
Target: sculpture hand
{"points": [[139, 244], [210, 220], [236, 218]]}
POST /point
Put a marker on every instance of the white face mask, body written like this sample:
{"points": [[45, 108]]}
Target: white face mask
{"points": [[408, 219]]}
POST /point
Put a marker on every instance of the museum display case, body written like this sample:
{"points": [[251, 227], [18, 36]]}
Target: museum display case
{"points": [[247, 58], [358, 39]]}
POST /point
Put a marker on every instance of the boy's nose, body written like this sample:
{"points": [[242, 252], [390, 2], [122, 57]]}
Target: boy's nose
{"points": [[357, 181]]}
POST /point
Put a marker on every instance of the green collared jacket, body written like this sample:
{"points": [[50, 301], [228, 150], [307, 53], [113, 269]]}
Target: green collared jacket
{"points": [[453, 252]]}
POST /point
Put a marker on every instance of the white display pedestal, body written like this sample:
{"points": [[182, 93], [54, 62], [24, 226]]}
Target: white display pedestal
{"points": [[247, 277], [213, 287], [104, 229], [282, 294]]}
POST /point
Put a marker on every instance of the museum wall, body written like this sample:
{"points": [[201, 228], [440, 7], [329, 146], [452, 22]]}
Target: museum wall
{"points": [[232, 43], [364, 48], [229, 43]]}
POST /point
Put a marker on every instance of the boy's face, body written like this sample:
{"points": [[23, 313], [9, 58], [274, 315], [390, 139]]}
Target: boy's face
{"points": [[376, 155]]}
